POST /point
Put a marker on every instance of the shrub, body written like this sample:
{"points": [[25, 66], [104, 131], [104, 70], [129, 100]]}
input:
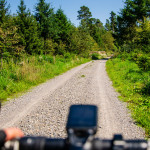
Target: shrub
{"points": [[143, 62], [95, 56]]}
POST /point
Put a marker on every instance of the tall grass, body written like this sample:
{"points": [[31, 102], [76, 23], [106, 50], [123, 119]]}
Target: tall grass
{"points": [[20, 75], [134, 86]]}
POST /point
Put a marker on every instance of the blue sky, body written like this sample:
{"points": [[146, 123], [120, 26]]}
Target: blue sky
{"points": [[100, 8]]}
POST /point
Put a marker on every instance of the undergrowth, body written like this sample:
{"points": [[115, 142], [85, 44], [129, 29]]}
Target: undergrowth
{"points": [[20, 75], [133, 84]]}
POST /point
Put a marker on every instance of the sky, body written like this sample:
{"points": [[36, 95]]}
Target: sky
{"points": [[100, 9]]}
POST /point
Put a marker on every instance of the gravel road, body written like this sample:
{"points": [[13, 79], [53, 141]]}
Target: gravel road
{"points": [[43, 110]]}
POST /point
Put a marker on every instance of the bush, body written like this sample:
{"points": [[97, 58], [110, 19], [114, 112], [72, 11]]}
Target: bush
{"points": [[143, 62], [95, 56], [146, 89]]}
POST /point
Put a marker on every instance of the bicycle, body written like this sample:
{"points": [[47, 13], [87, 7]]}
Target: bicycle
{"points": [[81, 128]]}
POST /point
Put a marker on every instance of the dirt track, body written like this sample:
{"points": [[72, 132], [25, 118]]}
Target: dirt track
{"points": [[43, 111]]}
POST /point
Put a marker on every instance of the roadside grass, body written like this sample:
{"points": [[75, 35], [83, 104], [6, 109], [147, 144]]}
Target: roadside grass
{"points": [[20, 76], [133, 84]]}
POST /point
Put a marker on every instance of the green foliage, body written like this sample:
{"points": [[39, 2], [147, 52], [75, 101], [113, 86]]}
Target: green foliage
{"points": [[108, 25], [50, 46], [3, 11], [108, 41], [95, 56], [96, 30], [113, 22], [28, 29], [143, 33], [84, 13], [82, 43], [60, 49], [134, 85], [45, 16], [64, 27], [143, 62], [133, 11], [10, 41]]}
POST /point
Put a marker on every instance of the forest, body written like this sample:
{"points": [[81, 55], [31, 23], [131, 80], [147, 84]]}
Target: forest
{"points": [[49, 32]]}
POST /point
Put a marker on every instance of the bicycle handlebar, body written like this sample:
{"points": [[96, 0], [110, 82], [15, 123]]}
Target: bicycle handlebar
{"points": [[43, 143], [81, 128]]}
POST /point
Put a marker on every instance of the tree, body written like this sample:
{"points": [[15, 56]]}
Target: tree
{"points": [[10, 41], [143, 35], [84, 13], [28, 29], [82, 43], [113, 22], [64, 27], [95, 28], [90, 25], [108, 25], [45, 17], [108, 41], [3, 11], [133, 11]]}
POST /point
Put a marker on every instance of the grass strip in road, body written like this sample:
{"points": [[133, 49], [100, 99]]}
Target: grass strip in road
{"points": [[133, 84], [19, 76]]}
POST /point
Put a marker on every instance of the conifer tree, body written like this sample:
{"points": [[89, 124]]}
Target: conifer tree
{"points": [[113, 22], [45, 17], [133, 11], [63, 25], [3, 17], [4, 11], [27, 28], [84, 13], [108, 25]]}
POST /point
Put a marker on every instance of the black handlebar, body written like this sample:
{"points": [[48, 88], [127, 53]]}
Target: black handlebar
{"points": [[43, 143], [81, 128]]}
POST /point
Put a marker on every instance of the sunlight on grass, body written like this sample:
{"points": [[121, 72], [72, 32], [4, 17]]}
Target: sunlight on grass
{"points": [[133, 84], [30, 71]]}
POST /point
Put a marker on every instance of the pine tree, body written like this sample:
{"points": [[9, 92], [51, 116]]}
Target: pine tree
{"points": [[96, 29], [84, 13], [10, 41], [63, 25], [133, 11], [4, 11], [113, 22], [28, 29], [45, 17]]}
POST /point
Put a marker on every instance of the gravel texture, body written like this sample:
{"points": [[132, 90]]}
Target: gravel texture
{"points": [[43, 111]]}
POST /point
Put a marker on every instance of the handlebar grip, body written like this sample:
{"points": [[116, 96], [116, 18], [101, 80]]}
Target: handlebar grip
{"points": [[136, 145], [31, 143], [120, 145], [41, 143], [35, 143], [55, 144]]}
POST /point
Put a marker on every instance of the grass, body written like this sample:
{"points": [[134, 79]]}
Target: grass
{"points": [[19, 76], [133, 84]]}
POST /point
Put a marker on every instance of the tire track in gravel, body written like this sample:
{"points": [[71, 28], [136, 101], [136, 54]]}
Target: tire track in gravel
{"points": [[48, 113]]}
